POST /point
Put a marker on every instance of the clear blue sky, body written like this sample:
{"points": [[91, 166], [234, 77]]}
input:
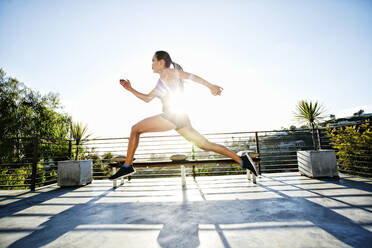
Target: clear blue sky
{"points": [[267, 55]]}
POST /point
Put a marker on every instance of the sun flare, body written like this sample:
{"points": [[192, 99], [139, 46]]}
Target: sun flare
{"points": [[178, 103]]}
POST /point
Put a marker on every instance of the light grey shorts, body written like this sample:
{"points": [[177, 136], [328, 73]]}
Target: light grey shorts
{"points": [[180, 120]]}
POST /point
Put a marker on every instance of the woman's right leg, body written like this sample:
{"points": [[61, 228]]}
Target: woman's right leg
{"points": [[200, 141], [151, 124]]}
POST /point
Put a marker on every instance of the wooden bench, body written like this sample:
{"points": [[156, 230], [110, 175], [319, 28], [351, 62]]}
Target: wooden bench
{"points": [[119, 161]]}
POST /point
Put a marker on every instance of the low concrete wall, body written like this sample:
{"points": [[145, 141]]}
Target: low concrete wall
{"points": [[320, 163], [75, 173]]}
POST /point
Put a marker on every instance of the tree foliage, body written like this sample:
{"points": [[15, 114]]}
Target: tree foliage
{"points": [[24, 115]]}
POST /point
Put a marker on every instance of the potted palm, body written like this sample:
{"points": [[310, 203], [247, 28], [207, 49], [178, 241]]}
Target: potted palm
{"points": [[76, 172], [318, 162]]}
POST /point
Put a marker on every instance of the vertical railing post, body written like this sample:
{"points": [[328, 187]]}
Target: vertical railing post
{"points": [[258, 152], [193, 172], [35, 160], [183, 176], [319, 144], [70, 149]]}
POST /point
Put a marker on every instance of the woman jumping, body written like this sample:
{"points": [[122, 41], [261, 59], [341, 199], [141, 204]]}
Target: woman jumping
{"points": [[168, 89]]}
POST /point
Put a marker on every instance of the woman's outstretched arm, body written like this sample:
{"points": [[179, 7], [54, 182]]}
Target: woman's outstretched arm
{"points": [[215, 89], [145, 97]]}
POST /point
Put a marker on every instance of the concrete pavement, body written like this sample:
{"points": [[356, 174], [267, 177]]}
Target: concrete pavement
{"points": [[281, 210]]}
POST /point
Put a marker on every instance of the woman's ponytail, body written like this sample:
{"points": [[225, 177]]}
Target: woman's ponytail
{"points": [[177, 67]]}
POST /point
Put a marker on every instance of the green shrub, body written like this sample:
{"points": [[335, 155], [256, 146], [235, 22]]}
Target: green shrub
{"points": [[353, 146]]}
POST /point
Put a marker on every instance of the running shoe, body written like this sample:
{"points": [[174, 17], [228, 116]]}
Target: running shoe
{"points": [[123, 172], [248, 164]]}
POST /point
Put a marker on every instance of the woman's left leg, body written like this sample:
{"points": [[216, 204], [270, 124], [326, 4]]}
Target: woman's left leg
{"points": [[200, 141], [155, 123]]}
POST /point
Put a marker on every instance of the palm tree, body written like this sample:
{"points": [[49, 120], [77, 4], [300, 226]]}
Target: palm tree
{"points": [[78, 133], [311, 113]]}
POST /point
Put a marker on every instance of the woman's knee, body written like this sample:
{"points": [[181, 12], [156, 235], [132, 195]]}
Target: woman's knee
{"points": [[136, 129], [205, 145]]}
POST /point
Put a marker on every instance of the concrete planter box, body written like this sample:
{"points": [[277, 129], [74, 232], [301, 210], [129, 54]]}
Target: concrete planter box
{"points": [[75, 173], [316, 164]]}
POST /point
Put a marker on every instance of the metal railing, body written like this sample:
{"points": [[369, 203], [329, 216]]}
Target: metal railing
{"points": [[161, 148], [32, 162]]}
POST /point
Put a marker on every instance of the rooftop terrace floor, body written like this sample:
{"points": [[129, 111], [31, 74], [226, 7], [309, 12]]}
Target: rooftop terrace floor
{"points": [[281, 210]]}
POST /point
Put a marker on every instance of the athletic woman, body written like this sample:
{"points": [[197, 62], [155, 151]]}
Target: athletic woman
{"points": [[168, 89]]}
